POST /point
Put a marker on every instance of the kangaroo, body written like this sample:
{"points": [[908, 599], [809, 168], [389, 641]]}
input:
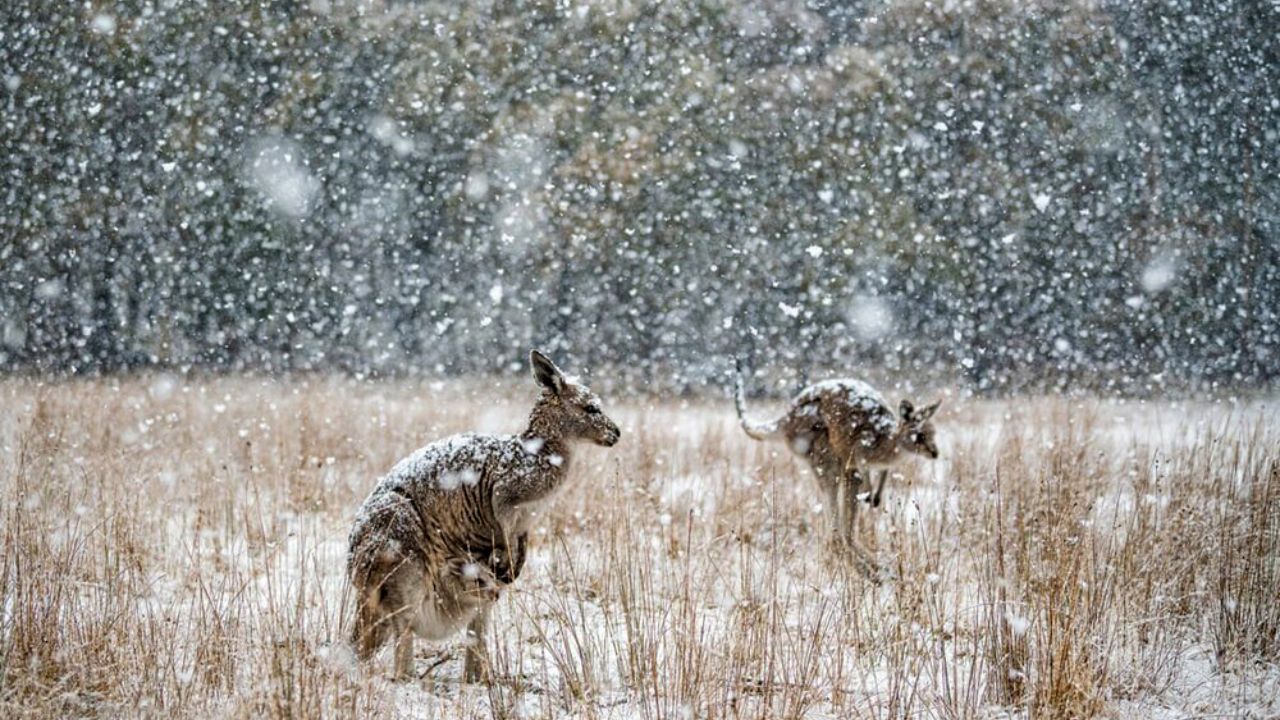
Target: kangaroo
{"points": [[844, 429], [446, 529]]}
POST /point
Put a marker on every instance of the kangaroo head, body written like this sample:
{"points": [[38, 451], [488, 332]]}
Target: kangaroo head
{"points": [[570, 406], [915, 432]]}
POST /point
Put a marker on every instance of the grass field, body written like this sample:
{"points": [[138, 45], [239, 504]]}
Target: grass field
{"points": [[175, 547]]}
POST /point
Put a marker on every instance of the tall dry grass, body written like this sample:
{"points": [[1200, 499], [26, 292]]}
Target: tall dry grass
{"points": [[175, 547]]}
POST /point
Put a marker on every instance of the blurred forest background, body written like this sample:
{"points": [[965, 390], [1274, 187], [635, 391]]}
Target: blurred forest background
{"points": [[1018, 195]]}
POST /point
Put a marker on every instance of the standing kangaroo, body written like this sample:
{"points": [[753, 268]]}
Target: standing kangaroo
{"points": [[844, 429], [446, 529]]}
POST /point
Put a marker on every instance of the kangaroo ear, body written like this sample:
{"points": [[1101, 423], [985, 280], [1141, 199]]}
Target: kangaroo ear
{"points": [[928, 412], [905, 409], [546, 372]]}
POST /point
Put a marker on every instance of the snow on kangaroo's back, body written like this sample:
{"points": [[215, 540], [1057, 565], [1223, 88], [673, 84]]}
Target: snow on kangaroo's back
{"points": [[446, 529], [844, 428]]}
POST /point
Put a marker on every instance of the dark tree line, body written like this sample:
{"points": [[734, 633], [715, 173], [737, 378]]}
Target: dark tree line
{"points": [[1020, 195]]}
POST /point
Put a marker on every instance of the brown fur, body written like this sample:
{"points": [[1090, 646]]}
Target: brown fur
{"points": [[447, 528], [844, 430]]}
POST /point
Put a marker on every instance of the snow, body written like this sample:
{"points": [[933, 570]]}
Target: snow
{"points": [[1018, 625], [103, 24], [871, 317], [818, 186], [276, 169], [1159, 274], [566, 634], [993, 199], [457, 461], [453, 479], [49, 289], [384, 128], [859, 394]]}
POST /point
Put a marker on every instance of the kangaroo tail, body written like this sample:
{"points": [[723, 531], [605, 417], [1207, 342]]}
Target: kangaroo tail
{"points": [[756, 430]]}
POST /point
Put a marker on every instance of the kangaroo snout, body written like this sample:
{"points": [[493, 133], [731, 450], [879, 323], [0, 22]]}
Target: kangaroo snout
{"points": [[611, 438]]}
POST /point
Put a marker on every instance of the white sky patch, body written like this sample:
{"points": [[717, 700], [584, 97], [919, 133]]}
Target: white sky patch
{"points": [[871, 317], [790, 311], [275, 169], [1041, 201]]}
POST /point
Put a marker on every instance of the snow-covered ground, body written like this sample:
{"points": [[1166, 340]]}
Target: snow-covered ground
{"points": [[183, 551]]}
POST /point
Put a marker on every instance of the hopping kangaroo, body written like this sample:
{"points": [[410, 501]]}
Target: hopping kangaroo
{"points": [[844, 429], [446, 529]]}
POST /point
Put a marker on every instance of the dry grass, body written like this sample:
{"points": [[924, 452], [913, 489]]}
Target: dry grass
{"points": [[176, 548]]}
